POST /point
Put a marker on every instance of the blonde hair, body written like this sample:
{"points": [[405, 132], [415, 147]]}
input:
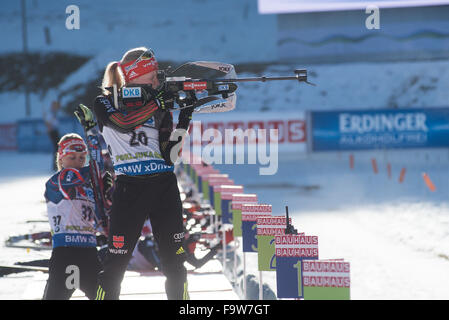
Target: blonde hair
{"points": [[64, 138], [113, 74]]}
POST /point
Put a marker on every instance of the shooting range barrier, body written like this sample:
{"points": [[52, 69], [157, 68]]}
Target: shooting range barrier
{"points": [[300, 274]]}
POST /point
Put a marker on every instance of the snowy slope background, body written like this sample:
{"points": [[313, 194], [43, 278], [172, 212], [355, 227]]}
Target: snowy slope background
{"points": [[390, 232], [195, 30]]}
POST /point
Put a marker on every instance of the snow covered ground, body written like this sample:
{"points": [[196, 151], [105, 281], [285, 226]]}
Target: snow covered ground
{"points": [[390, 232], [394, 235]]}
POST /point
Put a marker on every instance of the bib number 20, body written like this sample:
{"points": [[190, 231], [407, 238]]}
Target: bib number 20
{"points": [[138, 138]]}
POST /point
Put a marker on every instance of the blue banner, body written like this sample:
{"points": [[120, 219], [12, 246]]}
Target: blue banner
{"points": [[380, 129]]}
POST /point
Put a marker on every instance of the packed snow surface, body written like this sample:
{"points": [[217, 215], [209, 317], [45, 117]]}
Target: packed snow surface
{"points": [[390, 232]]}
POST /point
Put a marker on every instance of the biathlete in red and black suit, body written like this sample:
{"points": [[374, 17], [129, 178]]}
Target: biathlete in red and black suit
{"points": [[139, 141]]}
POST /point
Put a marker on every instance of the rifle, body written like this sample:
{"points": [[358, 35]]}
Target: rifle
{"points": [[208, 86], [99, 162], [289, 228], [8, 269]]}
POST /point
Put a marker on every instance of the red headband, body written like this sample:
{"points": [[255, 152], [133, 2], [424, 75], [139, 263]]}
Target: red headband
{"points": [[71, 145], [138, 67]]}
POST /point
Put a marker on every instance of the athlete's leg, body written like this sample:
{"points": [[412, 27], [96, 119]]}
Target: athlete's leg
{"points": [[90, 266], [167, 224], [56, 288], [125, 225]]}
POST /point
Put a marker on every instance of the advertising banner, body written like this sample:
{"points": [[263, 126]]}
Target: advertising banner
{"points": [[380, 129], [245, 132], [290, 251], [294, 6], [239, 199], [267, 229], [225, 193], [326, 280], [250, 213]]}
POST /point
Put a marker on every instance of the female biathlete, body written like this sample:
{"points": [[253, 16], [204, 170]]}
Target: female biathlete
{"points": [[74, 223], [140, 140]]}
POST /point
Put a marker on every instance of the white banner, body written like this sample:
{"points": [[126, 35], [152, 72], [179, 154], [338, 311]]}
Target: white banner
{"points": [[246, 138], [294, 6], [246, 130]]}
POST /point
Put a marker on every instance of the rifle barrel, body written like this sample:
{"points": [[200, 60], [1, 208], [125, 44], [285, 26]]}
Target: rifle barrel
{"points": [[260, 79]]}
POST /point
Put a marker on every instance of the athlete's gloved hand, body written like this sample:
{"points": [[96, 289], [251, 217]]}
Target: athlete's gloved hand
{"points": [[85, 117], [165, 100], [187, 108], [186, 113]]}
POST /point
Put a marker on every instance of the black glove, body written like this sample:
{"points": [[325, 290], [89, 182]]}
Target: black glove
{"points": [[85, 117], [165, 100], [187, 107], [186, 113]]}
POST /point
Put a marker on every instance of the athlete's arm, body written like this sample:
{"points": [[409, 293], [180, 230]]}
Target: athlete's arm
{"points": [[108, 116], [169, 138], [70, 180]]}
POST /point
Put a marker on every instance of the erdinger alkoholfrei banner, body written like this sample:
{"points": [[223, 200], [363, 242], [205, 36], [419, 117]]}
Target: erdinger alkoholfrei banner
{"points": [[379, 129]]}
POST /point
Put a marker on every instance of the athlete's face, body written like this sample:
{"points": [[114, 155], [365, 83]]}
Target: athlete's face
{"points": [[74, 160], [148, 78]]}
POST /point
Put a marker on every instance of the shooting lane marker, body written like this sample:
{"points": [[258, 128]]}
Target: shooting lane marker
{"points": [[326, 279], [250, 213], [291, 249], [223, 242], [239, 199], [267, 228], [225, 193], [201, 171]]}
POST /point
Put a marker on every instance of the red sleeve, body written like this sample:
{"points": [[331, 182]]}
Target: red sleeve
{"points": [[108, 116], [70, 181]]}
